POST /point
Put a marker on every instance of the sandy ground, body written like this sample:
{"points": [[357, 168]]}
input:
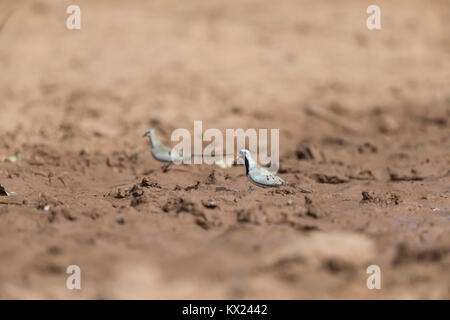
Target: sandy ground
{"points": [[75, 104]]}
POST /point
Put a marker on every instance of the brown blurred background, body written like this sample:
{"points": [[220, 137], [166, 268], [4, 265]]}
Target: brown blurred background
{"points": [[74, 105]]}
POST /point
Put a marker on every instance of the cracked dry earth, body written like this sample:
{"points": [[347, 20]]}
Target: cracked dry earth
{"points": [[78, 185]]}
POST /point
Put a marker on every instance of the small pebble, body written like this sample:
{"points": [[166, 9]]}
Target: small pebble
{"points": [[120, 220]]}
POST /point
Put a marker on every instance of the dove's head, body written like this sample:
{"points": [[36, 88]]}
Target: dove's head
{"points": [[152, 135], [244, 154], [149, 133]]}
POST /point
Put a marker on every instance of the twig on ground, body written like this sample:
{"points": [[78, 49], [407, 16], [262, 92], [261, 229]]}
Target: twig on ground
{"points": [[330, 117], [5, 20]]}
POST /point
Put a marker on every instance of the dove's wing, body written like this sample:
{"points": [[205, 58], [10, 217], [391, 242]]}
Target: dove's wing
{"points": [[162, 153], [265, 178]]}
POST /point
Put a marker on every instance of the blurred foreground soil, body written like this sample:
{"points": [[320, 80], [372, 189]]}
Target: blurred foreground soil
{"points": [[75, 104]]}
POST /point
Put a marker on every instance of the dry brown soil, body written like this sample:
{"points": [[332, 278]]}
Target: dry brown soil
{"points": [[75, 104]]}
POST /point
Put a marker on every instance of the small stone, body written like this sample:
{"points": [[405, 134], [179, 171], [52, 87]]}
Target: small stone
{"points": [[387, 124], [210, 204]]}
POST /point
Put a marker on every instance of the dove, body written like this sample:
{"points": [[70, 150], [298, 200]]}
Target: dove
{"points": [[257, 175], [163, 153], [160, 151]]}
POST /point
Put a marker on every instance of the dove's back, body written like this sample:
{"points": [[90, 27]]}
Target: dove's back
{"points": [[264, 178], [162, 153]]}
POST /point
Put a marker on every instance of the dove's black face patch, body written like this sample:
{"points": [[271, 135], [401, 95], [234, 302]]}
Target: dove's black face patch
{"points": [[246, 166]]}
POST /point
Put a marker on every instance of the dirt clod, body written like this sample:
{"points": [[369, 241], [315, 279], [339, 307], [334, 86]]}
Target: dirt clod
{"points": [[148, 183], [44, 200], [74, 106], [323, 178], [404, 175], [385, 199], [3, 191]]}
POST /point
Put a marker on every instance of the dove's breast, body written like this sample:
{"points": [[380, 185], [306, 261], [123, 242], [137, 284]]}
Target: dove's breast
{"points": [[162, 154]]}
